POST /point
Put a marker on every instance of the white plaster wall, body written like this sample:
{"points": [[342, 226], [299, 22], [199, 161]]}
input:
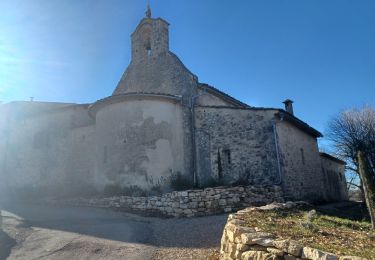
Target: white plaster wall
{"points": [[30, 163], [3, 134], [43, 154], [82, 157], [139, 143]]}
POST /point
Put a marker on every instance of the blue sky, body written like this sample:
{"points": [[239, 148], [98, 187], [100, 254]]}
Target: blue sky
{"points": [[319, 53]]}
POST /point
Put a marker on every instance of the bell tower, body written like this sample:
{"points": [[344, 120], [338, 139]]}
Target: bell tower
{"points": [[150, 38], [153, 67]]}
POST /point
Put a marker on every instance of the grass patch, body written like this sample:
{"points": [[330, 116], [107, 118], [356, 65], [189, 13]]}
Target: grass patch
{"points": [[328, 233]]}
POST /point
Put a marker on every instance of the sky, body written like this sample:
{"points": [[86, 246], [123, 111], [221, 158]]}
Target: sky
{"points": [[319, 53]]}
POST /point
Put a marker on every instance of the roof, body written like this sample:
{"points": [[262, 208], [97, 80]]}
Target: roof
{"points": [[32, 108], [332, 158], [283, 115], [93, 108], [221, 94]]}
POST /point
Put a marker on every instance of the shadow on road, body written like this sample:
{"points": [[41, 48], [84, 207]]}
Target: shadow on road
{"points": [[6, 244], [104, 223]]}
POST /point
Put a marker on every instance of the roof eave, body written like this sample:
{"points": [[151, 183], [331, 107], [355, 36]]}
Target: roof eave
{"points": [[222, 95], [332, 158], [285, 116]]}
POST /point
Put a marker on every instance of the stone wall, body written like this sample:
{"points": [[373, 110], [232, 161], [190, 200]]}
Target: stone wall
{"points": [[334, 178], [189, 203], [245, 243], [302, 175], [236, 145]]}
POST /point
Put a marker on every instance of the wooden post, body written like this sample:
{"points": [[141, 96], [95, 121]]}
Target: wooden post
{"points": [[368, 185]]}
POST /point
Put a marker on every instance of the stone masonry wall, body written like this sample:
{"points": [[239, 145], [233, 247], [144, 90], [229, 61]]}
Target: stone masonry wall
{"points": [[189, 203], [334, 179], [245, 243], [236, 145], [300, 163]]}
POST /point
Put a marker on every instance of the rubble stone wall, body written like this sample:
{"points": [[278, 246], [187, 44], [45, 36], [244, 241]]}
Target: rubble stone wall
{"points": [[245, 243], [189, 203], [236, 145]]}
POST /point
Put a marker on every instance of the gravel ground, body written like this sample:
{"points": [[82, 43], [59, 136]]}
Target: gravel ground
{"points": [[196, 238]]}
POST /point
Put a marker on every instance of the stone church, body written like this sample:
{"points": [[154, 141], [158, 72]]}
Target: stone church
{"points": [[159, 128]]}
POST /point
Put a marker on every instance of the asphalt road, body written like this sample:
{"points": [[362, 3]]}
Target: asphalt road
{"points": [[51, 232]]}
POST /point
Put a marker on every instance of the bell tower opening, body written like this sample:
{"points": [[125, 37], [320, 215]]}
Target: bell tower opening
{"points": [[146, 38], [150, 38]]}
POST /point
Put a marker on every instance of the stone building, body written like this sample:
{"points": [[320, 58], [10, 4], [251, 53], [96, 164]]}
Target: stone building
{"points": [[161, 127]]}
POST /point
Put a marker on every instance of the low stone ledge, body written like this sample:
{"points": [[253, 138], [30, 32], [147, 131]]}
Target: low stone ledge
{"points": [[245, 243], [188, 203]]}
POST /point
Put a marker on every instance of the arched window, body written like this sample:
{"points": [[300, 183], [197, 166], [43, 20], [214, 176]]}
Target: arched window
{"points": [[146, 40]]}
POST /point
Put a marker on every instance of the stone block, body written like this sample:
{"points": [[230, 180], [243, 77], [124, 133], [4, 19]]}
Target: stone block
{"points": [[266, 242], [289, 246], [351, 258], [289, 257], [194, 205], [258, 255], [222, 202], [316, 254], [178, 210], [275, 251], [242, 247], [250, 238]]}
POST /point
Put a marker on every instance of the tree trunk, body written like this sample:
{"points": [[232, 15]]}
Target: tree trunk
{"points": [[368, 185]]}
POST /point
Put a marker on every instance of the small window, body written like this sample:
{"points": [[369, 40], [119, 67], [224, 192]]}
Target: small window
{"points": [[302, 156], [105, 154], [219, 167], [227, 156]]}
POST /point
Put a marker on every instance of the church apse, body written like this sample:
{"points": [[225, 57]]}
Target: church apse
{"points": [[138, 143]]}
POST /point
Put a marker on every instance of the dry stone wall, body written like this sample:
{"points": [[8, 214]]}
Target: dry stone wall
{"points": [[245, 243], [189, 203]]}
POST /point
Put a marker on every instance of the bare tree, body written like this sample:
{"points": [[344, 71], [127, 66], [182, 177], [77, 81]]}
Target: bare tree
{"points": [[353, 133], [367, 176]]}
